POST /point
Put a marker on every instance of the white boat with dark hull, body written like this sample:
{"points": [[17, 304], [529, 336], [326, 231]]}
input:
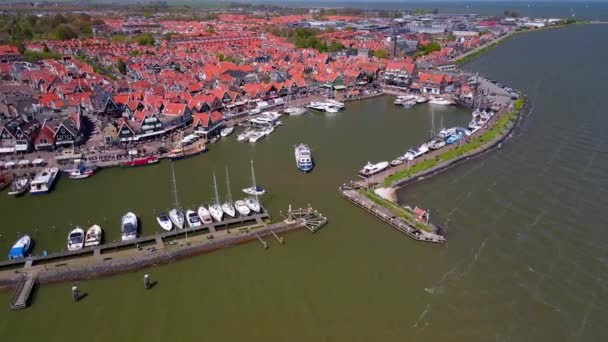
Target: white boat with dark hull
{"points": [[227, 206], [128, 227], [93, 236], [76, 239], [177, 218], [371, 169], [43, 182], [227, 131], [204, 215], [320, 106], [253, 204], [21, 248], [19, 186], [215, 209], [164, 221], [82, 171], [337, 104], [294, 111], [330, 108], [193, 219], [242, 208]]}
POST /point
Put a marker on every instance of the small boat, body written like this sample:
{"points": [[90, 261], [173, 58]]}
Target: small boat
{"points": [[228, 207], [396, 162], [185, 152], [242, 208], [93, 236], [128, 227], [253, 204], [320, 106], [215, 209], [255, 190], [227, 131], [371, 169], [21, 248], [421, 99], [80, 172], [255, 136], [409, 104], [294, 111], [436, 144], [337, 104], [204, 215], [164, 221], [245, 135], [43, 182], [330, 108], [177, 217], [440, 101], [19, 186], [193, 219], [76, 239], [255, 111], [136, 162], [304, 160]]}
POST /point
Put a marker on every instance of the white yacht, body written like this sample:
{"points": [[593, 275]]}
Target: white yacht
{"points": [[245, 135], [128, 227], [337, 104], [294, 111], [19, 186], [76, 239], [164, 221], [397, 161], [409, 104], [440, 101], [371, 169], [253, 204], [177, 218], [242, 208], [227, 206], [320, 106], [254, 136], [93, 236], [436, 144], [43, 182], [421, 99], [215, 209], [330, 108], [193, 219], [227, 131], [204, 215]]}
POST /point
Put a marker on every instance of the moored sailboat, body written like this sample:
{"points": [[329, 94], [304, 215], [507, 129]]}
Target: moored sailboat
{"points": [[227, 206], [215, 209]]}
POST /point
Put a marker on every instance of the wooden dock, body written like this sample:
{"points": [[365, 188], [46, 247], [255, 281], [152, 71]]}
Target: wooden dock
{"points": [[389, 217], [23, 291]]}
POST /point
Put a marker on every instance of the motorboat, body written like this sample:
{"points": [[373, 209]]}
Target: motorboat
{"points": [[440, 101], [416, 152], [330, 108], [254, 191], [421, 99], [93, 236], [242, 208], [294, 111], [320, 106], [409, 104], [215, 209], [371, 169], [337, 104], [19, 186], [228, 207], [140, 162], [164, 221], [245, 135], [81, 171], [43, 182], [436, 144], [128, 227], [227, 131], [76, 239], [204, 215], [21, 248], [177, 218], [304, 160], [446, 132], [396, 162], [255, 136], [268, 130], [266, 119], [253, 204], [193, 219]]}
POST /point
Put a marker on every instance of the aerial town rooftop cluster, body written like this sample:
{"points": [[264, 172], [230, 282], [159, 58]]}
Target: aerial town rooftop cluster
{"points": [[113, 90]]}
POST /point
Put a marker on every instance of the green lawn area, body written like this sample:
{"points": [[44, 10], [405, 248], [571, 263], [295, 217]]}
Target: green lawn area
{"points": [[395, 208], [489, 135]]}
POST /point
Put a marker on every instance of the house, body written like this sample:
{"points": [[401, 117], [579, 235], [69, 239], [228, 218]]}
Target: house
{"points": [[69, 131], [9, 54], [45, 139], [125, 131], [176, 114], [147, 122], [109, 132], [18, 135], [208, 124]]}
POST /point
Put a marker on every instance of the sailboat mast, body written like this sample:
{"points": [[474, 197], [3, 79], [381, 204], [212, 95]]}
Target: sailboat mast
{"points": [[432, 123], [217, 199], [228, 187], [175, 197], [253, 180]]}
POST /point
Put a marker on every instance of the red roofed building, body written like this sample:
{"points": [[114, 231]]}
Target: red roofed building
{"points": [[208, 124]]}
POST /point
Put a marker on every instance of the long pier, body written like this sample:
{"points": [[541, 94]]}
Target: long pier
{"points": [[146, 251], [389, 217]]}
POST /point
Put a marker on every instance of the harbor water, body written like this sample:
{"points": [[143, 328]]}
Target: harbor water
{"points": [[526, 258]]}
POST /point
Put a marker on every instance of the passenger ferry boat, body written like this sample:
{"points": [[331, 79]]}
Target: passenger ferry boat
{"points": [[43, 182], [303, 156], [371, 169]]}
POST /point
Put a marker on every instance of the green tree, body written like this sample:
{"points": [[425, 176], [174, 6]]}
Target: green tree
{"points": [[121, 67], [144, 39], [380, 54], [334, 46], [65, 32]]}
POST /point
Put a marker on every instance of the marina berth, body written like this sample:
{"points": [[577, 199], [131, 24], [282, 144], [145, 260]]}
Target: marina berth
{"points": [[21, 248], [76, 239], [43, 181], [93, 236], [128, 227]]}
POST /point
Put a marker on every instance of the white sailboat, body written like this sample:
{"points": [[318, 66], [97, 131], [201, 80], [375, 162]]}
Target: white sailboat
{"points": [[176, 215], [227, 206], [254, 190], [253, 202], [215, 209], [204, 215]]}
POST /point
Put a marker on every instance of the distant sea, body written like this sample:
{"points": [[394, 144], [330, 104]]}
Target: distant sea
{"points": [[564, 9]]}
